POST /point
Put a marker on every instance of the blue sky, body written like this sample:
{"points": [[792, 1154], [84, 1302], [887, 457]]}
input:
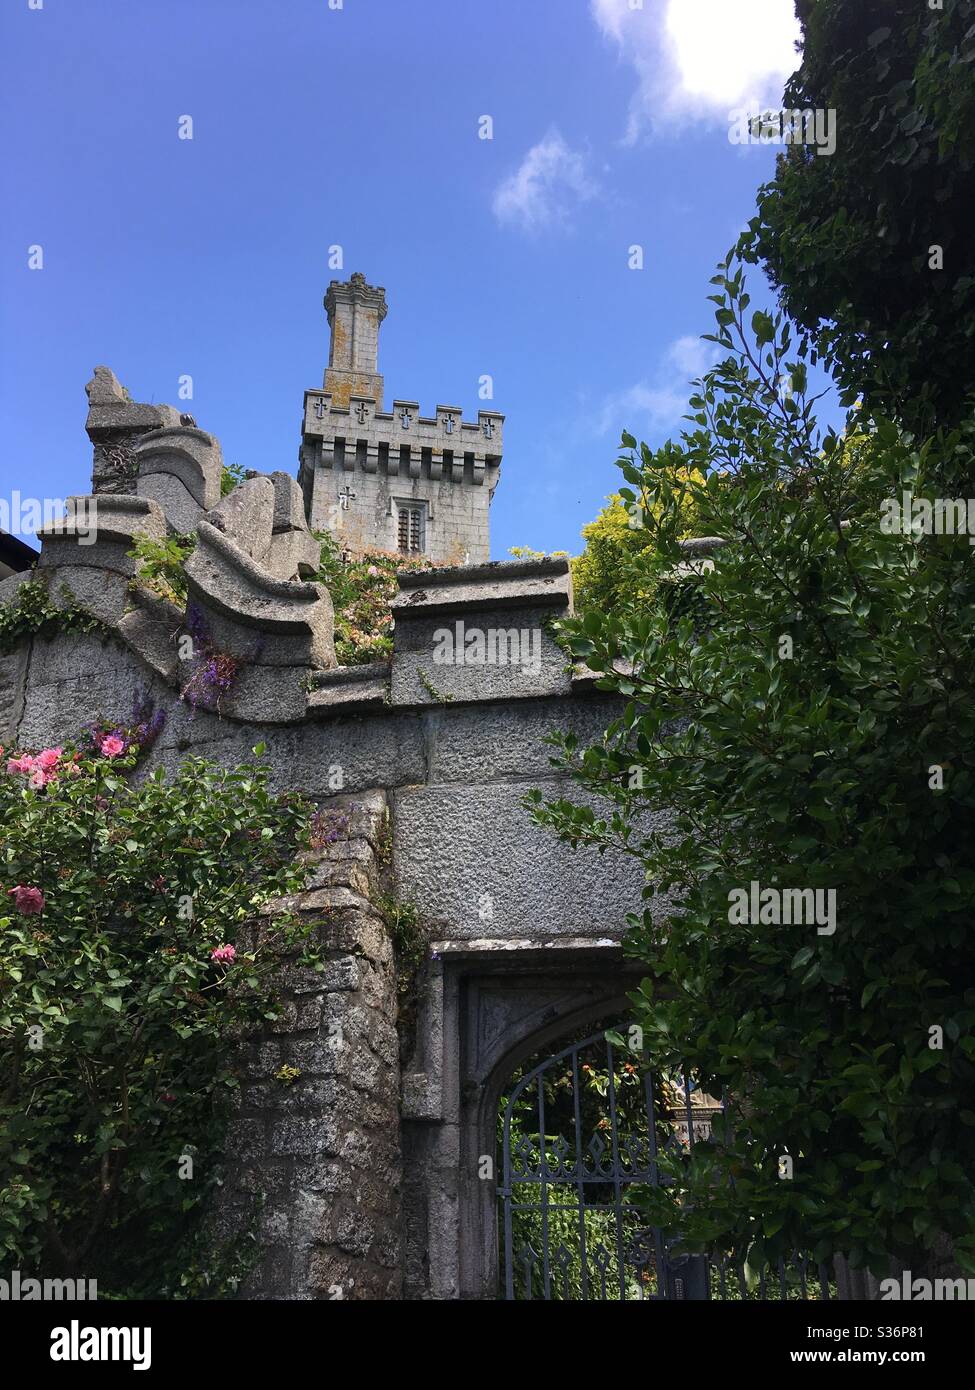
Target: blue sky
{"points": [[358, 127]]}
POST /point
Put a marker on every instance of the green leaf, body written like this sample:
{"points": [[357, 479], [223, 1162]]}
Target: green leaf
{"points": [[762, 327]]}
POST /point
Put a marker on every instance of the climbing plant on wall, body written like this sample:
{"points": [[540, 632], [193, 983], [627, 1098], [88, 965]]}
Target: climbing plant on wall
{"points": [[362, 587], [32, 612]]}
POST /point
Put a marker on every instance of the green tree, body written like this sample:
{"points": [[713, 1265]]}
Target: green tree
{"points": [[814, 733], [609, 574], [871, 247], [604, 575]]}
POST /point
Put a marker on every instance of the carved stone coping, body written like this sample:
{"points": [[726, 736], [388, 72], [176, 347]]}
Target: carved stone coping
{"points": [[585, 679], [127, 417], [350, 687], [468, 588], [493, 946], [697, 557], [350, 675], [114, 517], [219, 573], [150, 627], [187, 453]]}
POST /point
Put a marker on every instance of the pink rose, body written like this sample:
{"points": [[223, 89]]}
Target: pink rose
{"points": [[27, 900], [23, 764], [112, 746], [39, 778], [223, 954], [48, 759]]}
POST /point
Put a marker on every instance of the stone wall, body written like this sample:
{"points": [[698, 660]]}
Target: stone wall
{"points": [[13, 677], [316, 1160], [436, 783], [464, 848]]}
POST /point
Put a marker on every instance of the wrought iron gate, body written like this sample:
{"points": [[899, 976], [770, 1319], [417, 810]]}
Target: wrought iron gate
{"points": [[580, 1134]]}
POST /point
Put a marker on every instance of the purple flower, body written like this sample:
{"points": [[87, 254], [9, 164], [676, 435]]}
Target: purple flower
{"points": [[27, 900]]}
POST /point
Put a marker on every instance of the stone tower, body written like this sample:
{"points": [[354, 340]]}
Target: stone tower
{"points": [[392, 480]]}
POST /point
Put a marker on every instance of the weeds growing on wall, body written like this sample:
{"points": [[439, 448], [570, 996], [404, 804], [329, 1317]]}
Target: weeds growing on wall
{"points": [[230, 475], [410, 941], [162, 565], [214, 672]]}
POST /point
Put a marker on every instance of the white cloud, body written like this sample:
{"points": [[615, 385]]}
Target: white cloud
{"points": [[692, 356], [699, 59], [658, 402], [551, 179]]}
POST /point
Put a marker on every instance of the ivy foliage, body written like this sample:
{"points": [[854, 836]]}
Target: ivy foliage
{"points": [[850, 238], [33, 613], [817, 733], [130, 967]]}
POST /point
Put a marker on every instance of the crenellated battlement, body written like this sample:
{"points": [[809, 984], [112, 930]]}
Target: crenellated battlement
{"points": [[401, 442], [445, 429]]}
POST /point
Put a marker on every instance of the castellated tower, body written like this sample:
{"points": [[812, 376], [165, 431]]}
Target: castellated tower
{"points": [[392, 480]]}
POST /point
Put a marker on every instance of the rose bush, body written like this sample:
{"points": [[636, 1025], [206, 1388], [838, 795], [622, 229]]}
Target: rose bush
{"points": [[130, 966]]}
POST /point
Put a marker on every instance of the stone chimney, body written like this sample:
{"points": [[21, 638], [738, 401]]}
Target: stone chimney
{"points": [[355, 311]]}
